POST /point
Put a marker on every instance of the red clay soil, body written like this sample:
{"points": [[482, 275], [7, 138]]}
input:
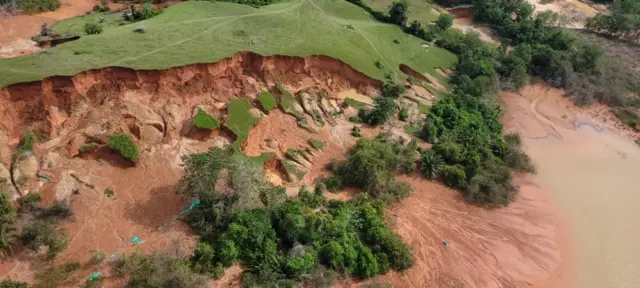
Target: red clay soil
{"points": [[522, 245], [243, 74], [90, 105]]}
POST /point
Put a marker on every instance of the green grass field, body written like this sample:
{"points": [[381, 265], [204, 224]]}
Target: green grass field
{"points": [[240, 120], [203, 32], [421, 10]]}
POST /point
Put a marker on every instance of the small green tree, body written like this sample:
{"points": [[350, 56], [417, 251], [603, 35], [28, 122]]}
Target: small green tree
{"points": [[91, 28], [453, 176], [444, 21], [398, 13], [430, 164], [124, 145]]}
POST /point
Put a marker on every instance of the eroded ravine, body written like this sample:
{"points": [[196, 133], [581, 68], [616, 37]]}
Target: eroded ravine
{"points": [[514, 246]]}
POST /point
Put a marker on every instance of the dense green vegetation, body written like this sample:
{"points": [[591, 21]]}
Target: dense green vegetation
{"points": [[561, 57], [372, 164], [240, 120], [203, 120], [267, 101], [469, 151], [282, 241], [623, 21], [37, 6], [205, 32], [124, 145]]}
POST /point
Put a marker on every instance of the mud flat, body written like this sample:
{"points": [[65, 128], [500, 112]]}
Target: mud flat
{"points": [[592, 173]]}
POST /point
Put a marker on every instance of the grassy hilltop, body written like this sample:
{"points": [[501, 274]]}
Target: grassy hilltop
{"points": [[201, 32]]}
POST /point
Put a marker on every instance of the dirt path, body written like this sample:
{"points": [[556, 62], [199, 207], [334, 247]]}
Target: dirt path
{"points": [[591, 171]]}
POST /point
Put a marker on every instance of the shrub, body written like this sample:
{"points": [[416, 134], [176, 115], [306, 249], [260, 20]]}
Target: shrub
{"points": [[430, 164], [403, 114], [372, 164], [158, 270], [138, 15], [383, 108], [109, 192], [58, 210], [203, 120], [96, 256], [42, 232], [355, 132], [124, 145], [26, 143], [88, 147], [91, 28], [37, 6], [453, 176], [398, 13], [101, 8], [30, 203], [444, 21], [333, 184]]}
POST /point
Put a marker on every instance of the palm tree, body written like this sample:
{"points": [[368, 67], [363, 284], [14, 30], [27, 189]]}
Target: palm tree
{"points": [[430, 164]]}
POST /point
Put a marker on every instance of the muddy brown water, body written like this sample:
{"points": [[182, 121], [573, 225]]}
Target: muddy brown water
{"points": [[592, 174]]}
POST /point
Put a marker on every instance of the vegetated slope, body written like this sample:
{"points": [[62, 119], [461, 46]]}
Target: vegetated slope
{"points": [[201, 32]]}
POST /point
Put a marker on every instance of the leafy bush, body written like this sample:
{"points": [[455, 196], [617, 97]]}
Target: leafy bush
{"points": [[123, 144], [42, 232], [444, 21], [138, 15], [37, 6], [622, 22], [26, 143], [91, 28], [101, 8], [403, 114], [96, 256], [430, 164], [383, 108], [88, 147], [398, 13], [453, 176], [203, 120], [333, 183], [371, 165], [7, 216]]}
